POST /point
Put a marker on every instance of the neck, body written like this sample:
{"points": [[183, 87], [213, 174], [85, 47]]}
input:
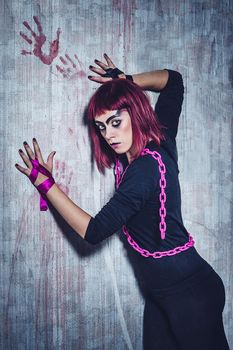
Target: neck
{"points": [[129, 154]]}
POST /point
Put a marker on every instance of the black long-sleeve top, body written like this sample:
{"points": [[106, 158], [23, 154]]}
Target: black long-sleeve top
{"points": [[136, 202]]}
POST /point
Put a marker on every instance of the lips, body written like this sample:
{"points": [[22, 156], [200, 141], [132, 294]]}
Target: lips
{"points": [[115, 144]]}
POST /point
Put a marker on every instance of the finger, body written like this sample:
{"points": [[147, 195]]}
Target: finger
{"points": [[58, 33], [39, 27], [102, 65], [25, 37], [50, 160], [79, 62], [24, 52], [28, 150], [97, 70], [99, 80], [63, 60], [25, 23], [25, 159], [22, 170], [71, 61], [109, 61], [37, 151], [62, 71]]}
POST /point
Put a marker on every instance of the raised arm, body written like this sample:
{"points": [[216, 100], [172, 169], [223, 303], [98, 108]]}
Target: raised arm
{"points": [[168, 82], [154, 80]]}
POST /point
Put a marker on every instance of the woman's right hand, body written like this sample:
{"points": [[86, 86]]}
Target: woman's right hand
{"points": [[30, 155], [102, 70]]}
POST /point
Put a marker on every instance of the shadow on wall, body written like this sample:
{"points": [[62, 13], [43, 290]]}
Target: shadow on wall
{"points": [[83, 248]]}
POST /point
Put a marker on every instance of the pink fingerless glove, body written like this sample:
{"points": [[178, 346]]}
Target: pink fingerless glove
{"points": [[44, 186]]}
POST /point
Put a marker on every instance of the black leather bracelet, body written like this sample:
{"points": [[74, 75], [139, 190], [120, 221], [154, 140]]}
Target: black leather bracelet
{"points": [[129, 77]]}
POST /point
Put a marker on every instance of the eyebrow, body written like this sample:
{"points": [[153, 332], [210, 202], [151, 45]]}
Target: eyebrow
{"points": [[110, 118]]}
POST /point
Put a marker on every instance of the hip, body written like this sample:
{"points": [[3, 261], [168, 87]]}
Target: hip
{"points": [[174, 270]]}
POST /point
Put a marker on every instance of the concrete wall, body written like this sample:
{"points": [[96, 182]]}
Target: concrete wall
{"points": [[57, 292]]}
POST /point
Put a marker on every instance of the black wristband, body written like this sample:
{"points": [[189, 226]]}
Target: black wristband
{"points": [[129, 77]]}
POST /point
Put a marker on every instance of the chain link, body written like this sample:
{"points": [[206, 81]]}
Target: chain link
{"points": [[158, 254], [162, 210]]}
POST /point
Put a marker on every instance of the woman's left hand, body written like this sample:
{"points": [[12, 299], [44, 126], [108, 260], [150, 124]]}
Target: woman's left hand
{"points": [[102, 70], [32, 155]]}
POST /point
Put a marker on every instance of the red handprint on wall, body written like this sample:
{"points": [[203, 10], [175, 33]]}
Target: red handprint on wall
{"points": [[69, 69], [40, 39]]}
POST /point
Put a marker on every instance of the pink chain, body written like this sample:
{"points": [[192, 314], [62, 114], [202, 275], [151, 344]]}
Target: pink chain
{"points": [[162, 210]]}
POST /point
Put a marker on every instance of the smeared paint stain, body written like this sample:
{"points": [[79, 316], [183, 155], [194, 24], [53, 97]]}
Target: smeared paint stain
{"points": [[125, 9], [40, 39], [71, 72], [71, 131], [63, 179], [42, 295], [19, 236], [230, 75]]}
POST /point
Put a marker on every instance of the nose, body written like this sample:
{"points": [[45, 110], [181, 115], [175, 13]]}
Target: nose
{"points": [[109, 133]]}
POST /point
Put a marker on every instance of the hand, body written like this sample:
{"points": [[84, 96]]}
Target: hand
{"points": [[32, 155], [102, 70]]}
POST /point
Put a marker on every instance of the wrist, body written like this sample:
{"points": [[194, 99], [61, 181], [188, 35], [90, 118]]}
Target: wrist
{"points": [[45, 186], [122, 76], [40, 179], [129, 77]]}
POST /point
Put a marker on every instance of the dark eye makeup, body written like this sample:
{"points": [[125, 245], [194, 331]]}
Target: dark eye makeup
{"points": [[115, 123]]}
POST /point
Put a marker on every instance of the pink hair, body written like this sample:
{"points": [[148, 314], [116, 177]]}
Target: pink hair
{"points": [[118, 94]]}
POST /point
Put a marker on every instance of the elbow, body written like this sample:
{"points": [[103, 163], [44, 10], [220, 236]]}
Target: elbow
{"points": [[93, 236], [178, 77], [96, 232], [92, 240], [178, 81], [175, 80]]}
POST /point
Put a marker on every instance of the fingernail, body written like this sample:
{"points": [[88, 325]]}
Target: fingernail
{"points": [[34, 139], [89, 76], [96, 60], [25, 143], [20, 150], [105, 54], [90, 66], [16, 164]]}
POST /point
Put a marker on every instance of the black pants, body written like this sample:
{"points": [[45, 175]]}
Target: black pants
{"points": [[187, 316]]}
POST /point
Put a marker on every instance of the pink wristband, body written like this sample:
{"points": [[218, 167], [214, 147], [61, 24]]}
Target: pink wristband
{"points": [[44, 186]]}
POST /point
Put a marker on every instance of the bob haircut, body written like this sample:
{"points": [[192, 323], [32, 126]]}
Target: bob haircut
{"points": [[118, 94]]}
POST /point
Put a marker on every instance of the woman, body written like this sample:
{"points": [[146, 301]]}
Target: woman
{"points": [[185, 297]]}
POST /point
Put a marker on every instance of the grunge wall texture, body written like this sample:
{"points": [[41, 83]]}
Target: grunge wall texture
{"points": [[56, 291]]}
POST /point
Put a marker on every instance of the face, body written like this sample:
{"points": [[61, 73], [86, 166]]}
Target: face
{"points": [[116, 129]]}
